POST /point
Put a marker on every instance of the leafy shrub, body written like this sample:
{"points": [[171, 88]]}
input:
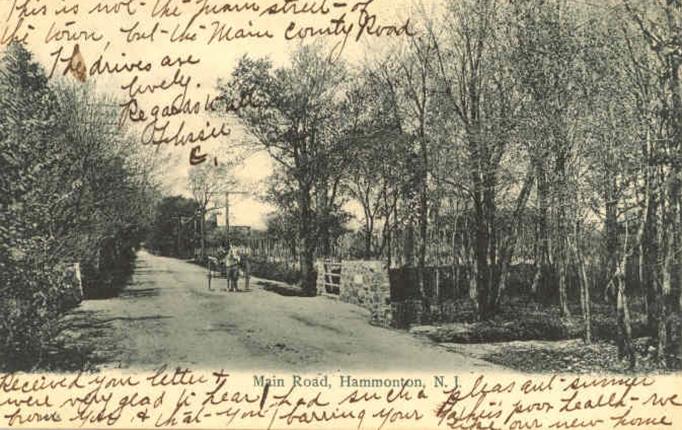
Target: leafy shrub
{"points": [[275, 271], [69, 193], [30, 301], [520, 320]]}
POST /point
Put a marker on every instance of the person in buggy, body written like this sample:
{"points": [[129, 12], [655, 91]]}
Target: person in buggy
{"points": [[232, 264]]}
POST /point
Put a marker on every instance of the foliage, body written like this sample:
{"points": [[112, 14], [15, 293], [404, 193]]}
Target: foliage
{"points": [[173, 229], [294, 115], [73, 191], [521, 320], [572, 357], [208, 182], [282, 226], [275, 271]]}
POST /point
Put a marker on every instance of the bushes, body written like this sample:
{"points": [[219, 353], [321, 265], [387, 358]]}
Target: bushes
{"points": [[31, 298], [71, 191], [28, 318], [172, 230], [274, 271], [521, 319]]}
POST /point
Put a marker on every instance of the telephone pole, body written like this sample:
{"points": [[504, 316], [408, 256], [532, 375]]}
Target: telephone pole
{"points": [[227, 212]]}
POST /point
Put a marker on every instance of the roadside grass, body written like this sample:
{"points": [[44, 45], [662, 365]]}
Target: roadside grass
{"points": [[520, 318], [575, 357], [71, 349], [274, 271], [531, 337]]}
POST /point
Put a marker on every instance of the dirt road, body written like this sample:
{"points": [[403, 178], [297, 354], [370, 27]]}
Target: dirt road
{"points": [[167, 315]]}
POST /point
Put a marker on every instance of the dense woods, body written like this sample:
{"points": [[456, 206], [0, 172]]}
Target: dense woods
{"points": [[75, 190], [542, 133]]}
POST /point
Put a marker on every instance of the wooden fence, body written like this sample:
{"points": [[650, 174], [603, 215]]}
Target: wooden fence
{"points": [[332, 277]]}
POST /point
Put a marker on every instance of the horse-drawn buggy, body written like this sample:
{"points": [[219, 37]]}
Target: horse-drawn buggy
{"points": [[216, 269], [224, 265]]}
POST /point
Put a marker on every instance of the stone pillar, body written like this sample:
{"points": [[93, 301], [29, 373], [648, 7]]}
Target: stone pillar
{"points": [[319, 266], [366, 284]]}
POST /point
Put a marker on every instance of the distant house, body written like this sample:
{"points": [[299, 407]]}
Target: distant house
{"points": [[240, 229]]}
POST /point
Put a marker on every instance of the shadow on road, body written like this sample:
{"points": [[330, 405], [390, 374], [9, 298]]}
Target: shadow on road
{"points": [[140, 293]]}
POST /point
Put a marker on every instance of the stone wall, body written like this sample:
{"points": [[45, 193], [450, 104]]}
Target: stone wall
{"points": [[72, 285], [363, 283], [368, 284], [319, 283]]}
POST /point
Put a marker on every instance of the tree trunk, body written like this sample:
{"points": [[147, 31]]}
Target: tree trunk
{"points": [[611, 231], [423, 226], [624, 327], [323, 235], [641, 276], [584, 283], [625, 348], [650, 256], [307, 261], [473, 284], [672, 293], [308, 242], [663, 286], [369, 234], [408, 245], [482, 267], [387, 244], [563, 296], [676, 182], [562, 232], [585, 299], [508, 247], [678, 262], [662, 293], [539, 287], [368, 244], [492, 258]]}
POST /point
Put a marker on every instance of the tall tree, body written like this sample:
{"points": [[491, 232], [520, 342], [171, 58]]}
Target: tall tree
{"points": [[472, 66], [659, 26], [292, 114], [171, 231], [549, 51], [380, 152]]}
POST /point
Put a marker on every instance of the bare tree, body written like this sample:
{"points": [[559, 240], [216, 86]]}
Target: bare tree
{"points": [[208, 183]]}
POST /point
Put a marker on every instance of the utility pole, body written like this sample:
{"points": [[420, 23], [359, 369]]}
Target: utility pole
{"points": [[227, 215], [203, 210], [177, 239], [227, 212], [202, 226]]}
